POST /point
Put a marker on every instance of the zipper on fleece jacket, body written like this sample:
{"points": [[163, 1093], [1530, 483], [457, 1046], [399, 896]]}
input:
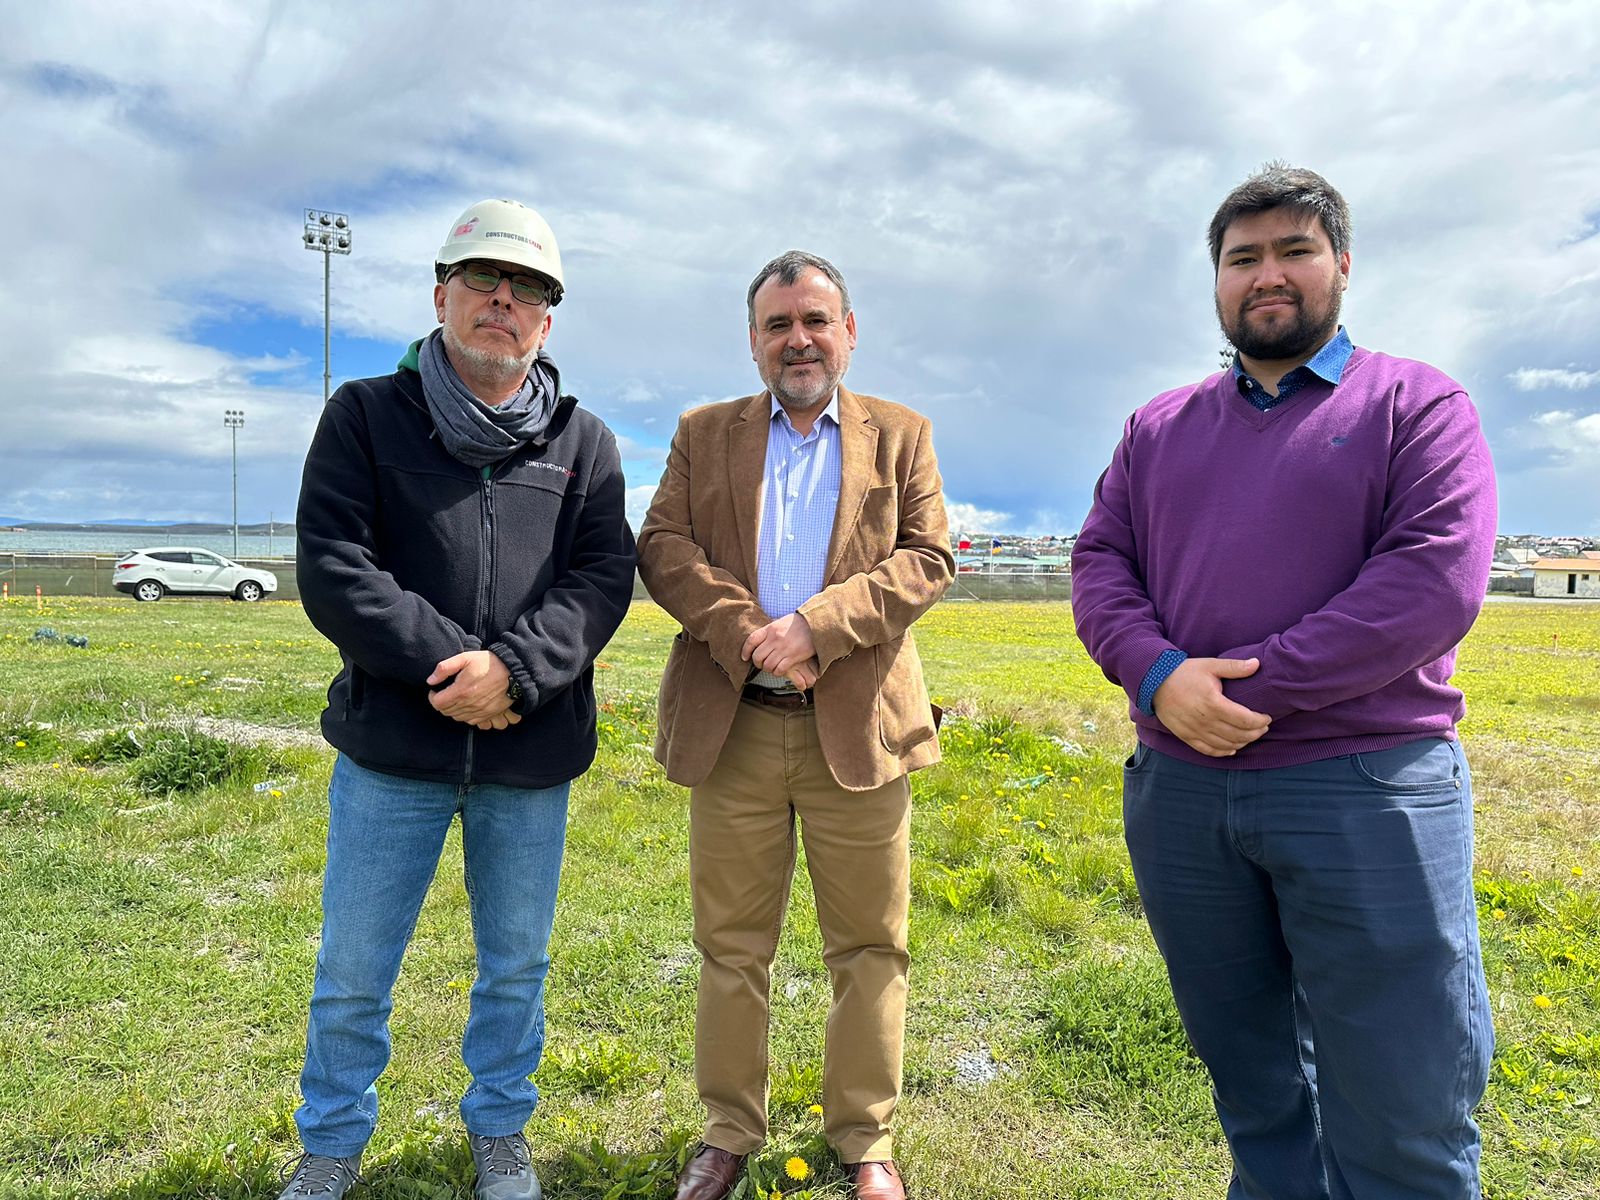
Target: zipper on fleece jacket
{"points": [[485, 570]]}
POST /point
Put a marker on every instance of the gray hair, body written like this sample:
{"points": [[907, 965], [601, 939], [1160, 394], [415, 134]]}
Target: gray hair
{"points": [[1278, 185], [787, 267]]}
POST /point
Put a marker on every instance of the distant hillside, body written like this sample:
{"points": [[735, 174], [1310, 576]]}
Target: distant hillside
{"points": [[277, 528]]}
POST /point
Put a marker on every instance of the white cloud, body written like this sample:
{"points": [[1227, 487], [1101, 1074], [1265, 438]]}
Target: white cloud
{"points": [[638, 500], [1536, 379], [632, 391], [969, 518], [1568, 432]]}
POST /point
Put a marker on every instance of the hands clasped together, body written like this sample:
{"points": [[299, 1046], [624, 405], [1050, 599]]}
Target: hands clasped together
{"points": [[783, 647], [477, 679], [1190, 703], [477, 693]]}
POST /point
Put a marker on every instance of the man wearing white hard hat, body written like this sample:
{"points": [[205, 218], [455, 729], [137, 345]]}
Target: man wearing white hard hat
{"points": [[463, 544]]}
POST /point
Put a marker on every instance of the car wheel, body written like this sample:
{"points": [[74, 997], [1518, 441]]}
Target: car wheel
{"points": [[249, 591], [148, 589]]}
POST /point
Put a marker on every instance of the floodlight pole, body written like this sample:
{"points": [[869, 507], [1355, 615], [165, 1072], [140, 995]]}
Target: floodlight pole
{"points": [[233, 418], [327, 326], [328, 233]]}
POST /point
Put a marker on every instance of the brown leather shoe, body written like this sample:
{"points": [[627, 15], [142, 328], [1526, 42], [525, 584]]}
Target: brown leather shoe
{"points": [[875, 1181], [710, 1174]]}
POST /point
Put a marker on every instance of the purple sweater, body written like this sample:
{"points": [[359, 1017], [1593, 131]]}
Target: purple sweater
{"points": [[1343, 538]]}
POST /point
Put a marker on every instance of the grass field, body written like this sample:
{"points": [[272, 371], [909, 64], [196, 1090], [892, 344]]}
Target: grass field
{"points": [[161, 824]]}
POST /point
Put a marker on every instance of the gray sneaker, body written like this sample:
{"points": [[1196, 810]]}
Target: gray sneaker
{"points": [[320, 1176], [505, 1168]]}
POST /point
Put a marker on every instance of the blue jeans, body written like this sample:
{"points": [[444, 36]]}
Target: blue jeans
{"points": [[1320, 933], [385, 835]]}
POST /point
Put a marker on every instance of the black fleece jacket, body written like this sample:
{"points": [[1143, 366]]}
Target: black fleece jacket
{"points": [[408, 556]]}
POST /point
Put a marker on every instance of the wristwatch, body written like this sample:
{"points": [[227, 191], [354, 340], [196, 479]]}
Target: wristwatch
{"points": [[514, 691]]}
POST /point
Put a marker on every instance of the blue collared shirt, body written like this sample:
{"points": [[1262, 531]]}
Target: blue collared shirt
{"points": [[799, 497], [1326, 364]]}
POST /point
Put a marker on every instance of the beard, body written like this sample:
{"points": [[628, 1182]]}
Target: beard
{"points": [[803, 396], [486, 364], [1310, 328]]}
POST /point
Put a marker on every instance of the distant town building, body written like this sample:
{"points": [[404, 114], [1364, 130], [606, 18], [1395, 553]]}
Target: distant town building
{"points": [[1555, 578], [969, 563]]}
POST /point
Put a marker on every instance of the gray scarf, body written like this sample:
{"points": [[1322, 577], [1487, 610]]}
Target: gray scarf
{"points": [[476, 433]]}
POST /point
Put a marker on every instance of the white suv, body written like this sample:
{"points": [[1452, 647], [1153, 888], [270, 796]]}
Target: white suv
{"points": [[151, 574]]}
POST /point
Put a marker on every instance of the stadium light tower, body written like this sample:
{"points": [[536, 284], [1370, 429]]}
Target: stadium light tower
{"points": [[328, 233], [233, 418]]}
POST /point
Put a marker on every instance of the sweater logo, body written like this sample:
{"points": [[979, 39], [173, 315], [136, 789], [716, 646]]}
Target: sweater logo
{"points": [[550, 466], [1338, 440]]}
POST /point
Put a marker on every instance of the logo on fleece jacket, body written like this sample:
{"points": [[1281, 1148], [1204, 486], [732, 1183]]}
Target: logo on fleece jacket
{"points": [[549, 466]]}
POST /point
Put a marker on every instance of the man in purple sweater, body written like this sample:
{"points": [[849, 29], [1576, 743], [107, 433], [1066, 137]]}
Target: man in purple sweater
{"points": [[1277, 568]]}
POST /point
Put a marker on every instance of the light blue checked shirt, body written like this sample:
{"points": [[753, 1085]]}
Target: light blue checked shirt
{"points": [[799, 496]]}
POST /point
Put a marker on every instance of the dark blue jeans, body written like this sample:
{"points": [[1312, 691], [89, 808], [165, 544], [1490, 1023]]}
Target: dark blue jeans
{"points": [[385, 835], [1320, 933]]}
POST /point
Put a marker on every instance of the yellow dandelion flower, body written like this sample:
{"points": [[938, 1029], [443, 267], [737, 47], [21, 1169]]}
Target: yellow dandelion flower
{"points": [[275, 794], [1499, 914], [815, 1109], [797, 1168], [1542, 1001], [21, 745], [1578, 871], [55, 766]]}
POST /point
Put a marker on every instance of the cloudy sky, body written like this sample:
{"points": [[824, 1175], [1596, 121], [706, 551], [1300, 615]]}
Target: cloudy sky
{"points": [[1018, 194]]}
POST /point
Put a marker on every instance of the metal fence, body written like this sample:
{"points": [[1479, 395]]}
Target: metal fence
{"points": [[1511, 585], [27, 575], [91, 574], [1010, 585]]}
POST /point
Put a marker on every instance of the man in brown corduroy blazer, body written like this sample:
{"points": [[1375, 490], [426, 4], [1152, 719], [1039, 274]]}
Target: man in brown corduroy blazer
{"points": [[796, 536]]}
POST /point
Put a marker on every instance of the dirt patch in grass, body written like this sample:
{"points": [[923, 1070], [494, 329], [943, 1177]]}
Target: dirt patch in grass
{"points": [[277, 737]]}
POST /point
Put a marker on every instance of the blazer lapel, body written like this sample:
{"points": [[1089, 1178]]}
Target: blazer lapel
{"points": [[747, 462], [858, 448]]}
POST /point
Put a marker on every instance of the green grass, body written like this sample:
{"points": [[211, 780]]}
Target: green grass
{"points": [[161, 824]]}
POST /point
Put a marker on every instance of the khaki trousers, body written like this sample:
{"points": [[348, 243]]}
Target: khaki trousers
{"points": [[741, 862]]}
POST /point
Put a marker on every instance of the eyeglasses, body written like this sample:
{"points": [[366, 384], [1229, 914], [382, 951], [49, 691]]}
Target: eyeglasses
{"points": [[481, 277]]}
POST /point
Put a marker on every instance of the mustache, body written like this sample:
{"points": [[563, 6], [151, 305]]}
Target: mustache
{"points": [[1271, 297], [800, 356], [498, 322]]}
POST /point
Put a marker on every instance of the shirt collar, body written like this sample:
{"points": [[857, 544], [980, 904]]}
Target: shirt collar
{"points": [[1327, 364], [831, 412]]}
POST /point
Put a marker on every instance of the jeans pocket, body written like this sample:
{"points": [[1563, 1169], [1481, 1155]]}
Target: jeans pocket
{"points": [[1138, 760], [1430, 765]]}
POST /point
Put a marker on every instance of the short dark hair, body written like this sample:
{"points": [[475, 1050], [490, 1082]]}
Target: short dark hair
{"points": [[1278, 185], [787, 267]]}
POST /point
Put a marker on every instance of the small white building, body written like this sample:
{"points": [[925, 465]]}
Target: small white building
{"points": [[1557, 578]]}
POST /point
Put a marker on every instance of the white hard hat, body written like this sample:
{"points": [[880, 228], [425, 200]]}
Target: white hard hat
{"points": [[503, 231]]}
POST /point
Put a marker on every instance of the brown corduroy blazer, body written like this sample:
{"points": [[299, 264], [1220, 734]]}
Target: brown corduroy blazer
{"points": [[888, 561]]}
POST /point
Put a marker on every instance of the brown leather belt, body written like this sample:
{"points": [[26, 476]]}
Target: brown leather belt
{"points": [[774, 699]]}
